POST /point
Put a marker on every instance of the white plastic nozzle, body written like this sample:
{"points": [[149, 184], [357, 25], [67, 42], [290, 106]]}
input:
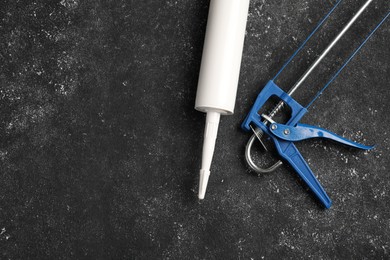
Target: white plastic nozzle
{"points": [[210, 136]]}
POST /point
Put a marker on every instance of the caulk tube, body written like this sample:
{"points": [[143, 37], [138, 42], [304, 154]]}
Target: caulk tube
{"points": [[219, 72]]}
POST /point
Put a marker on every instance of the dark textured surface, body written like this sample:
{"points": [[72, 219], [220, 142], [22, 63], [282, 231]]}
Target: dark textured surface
{"points": [[100, 145]]}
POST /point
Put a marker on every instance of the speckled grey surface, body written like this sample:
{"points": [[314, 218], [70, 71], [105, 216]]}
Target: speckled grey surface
{"points": [[100, 145]]}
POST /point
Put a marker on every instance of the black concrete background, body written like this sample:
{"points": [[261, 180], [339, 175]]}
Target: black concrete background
{"points": [[100, 145]]}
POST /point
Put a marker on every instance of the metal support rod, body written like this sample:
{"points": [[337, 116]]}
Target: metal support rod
{"points": [[330, 46], [279, 106]]}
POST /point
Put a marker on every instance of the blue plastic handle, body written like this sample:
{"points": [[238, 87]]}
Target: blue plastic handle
{"points": [[302, 132], [290, 153]]}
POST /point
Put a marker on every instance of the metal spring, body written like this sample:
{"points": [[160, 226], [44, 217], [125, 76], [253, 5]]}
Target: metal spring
{"points": [[276, 109]]}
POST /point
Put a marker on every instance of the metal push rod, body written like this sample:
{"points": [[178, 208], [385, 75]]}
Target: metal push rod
{"points": [[330, 46], [319, 59]]}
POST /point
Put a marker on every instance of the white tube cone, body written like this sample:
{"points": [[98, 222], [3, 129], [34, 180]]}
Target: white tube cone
{"points": [[210, 136]]}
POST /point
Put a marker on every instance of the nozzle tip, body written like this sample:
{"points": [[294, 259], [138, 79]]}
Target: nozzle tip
{"points": [[203, 180]]}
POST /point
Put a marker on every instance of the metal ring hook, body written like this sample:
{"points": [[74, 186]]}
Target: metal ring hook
{"points": [[258, 134]]}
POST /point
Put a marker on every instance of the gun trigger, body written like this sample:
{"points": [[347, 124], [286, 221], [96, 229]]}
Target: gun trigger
{"points": [[303, 132]]}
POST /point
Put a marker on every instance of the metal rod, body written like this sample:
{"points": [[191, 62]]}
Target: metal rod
{"points": [[279, 106], [348, 60], [318, 60]]}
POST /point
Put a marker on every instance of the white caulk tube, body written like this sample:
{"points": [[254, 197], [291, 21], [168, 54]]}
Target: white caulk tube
{"points": [[219, 72]]}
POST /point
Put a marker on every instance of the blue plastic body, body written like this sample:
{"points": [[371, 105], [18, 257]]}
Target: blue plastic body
{"points": [[284, 143]]}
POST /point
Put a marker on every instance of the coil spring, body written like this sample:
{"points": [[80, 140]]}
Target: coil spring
{"points": [[276, 109]]}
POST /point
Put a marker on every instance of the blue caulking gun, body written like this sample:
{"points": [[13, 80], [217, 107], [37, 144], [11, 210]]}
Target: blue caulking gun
{"points": [[285, 135]]}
